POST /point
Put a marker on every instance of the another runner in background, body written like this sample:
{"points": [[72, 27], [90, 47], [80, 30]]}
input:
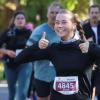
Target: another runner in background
{"points": [[15, 38]]}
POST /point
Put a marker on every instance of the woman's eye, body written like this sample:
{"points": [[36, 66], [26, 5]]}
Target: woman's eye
{"points": [[64, 22], [20, 18], [60, 22], [56, 22]]}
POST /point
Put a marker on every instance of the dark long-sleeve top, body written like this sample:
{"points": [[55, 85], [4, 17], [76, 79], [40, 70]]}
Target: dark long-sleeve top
{"points": [[67, 59], [14, 39]]}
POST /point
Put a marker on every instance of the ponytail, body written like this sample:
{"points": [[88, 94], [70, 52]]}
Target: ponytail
{"points": [[80, 28]]}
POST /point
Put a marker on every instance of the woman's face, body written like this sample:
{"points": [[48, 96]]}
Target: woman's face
{"points": [[20, 21], [64, 25]]}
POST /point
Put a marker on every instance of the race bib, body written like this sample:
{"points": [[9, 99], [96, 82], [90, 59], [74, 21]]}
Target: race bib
{"points": [[18, 51], [66, 85]]}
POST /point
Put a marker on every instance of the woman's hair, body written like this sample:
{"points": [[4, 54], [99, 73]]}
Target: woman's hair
{"points": [[75, 19], [79, 27], [64, 11], [11, 23]]}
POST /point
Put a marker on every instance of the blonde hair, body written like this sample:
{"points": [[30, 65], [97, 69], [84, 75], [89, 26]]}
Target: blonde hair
{"points": [[64, 11]]}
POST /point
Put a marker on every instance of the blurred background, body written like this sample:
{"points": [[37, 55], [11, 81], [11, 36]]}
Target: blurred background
{"points": [[35, 10]]}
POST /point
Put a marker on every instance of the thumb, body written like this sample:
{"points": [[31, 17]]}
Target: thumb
{"points": [[44, 35]]}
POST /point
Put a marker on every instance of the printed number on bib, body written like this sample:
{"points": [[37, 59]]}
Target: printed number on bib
{"points": [[66, 85]]}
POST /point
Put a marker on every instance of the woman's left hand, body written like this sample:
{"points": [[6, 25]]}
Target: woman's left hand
{"points": [[84, 47]]}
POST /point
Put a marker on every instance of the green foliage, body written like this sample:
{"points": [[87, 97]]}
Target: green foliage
{"points": [[1, 70], [69, 4], [98, 2], [23, 2], [2, 2], [33, 8], [77, 6], [2, 23]]}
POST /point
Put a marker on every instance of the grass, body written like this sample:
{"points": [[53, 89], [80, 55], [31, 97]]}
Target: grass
{"points": [[1, 71]]}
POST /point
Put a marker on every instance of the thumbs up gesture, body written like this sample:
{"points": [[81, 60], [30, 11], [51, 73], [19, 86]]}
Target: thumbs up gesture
{"points": [[84, 47], [43, 43]]}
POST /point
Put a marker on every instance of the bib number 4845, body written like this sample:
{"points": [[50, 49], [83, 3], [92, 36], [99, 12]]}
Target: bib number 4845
{"points": [[69, 86]]}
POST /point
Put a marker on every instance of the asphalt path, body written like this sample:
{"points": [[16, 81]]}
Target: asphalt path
{"points": [[3, 92]]}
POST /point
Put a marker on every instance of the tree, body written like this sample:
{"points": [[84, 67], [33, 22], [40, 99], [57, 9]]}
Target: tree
{"points": [[8, 7]]}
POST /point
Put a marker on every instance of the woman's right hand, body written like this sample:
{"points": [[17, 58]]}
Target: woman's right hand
{"points": [[43, 43]]}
